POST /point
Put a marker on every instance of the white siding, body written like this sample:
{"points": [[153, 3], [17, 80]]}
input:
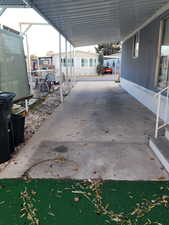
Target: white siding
{"points": [[87, 70]]}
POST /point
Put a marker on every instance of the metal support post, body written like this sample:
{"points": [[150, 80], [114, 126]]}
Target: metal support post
{"points": [[71, 65], [60, 71], [2, 10], [29, 67], [166, 108], [66, 58], [74, 72], [158, 116], [38, 64], [26, 106]]}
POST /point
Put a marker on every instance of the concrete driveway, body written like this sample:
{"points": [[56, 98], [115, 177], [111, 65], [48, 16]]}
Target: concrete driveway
{"points": [[99, 132]]}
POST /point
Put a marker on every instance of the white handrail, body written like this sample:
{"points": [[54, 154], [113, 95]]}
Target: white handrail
{"points": [[159, 94]]}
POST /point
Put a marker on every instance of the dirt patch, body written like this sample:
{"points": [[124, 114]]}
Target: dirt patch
{"points": [[52, 146], [61, 149]]}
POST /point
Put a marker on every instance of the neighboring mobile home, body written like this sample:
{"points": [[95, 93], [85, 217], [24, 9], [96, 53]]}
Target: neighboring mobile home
{"points": [[83, 63]]}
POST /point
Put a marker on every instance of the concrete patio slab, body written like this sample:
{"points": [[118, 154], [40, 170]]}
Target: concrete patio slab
{"points": [[99, 132]]}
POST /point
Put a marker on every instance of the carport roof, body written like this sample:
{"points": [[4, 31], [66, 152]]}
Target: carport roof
{"points": [[12, 3], [88, 22]]}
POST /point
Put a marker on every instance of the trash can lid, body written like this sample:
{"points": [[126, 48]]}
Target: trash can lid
{"points": [[7, 96]]}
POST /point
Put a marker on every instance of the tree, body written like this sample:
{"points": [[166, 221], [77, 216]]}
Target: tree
{"points": [[108, 48]]}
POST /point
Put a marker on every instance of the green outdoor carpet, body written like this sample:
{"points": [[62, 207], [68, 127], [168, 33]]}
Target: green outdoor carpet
{"points": [[67, 202]]}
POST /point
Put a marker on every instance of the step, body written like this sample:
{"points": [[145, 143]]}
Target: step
{"points": [[167, 133], [160, 147]]}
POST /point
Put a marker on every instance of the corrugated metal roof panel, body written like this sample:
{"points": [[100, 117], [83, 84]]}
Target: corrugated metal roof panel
{"points": [[11, 2], [86, 22]]}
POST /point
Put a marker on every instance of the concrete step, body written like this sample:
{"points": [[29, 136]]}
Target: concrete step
{"points": [[167, 133], [160, 147]]}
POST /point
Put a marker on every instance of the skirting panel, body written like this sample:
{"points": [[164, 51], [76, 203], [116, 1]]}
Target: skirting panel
{"points": [[145, 96]]}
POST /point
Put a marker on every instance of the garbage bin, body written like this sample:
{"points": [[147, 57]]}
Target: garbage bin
{"points": [[11, 137], [6, 136], [18, 123]]}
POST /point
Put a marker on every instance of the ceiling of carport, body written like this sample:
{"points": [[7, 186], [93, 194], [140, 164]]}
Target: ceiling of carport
{"points": [[88, 22], [12, 3]]}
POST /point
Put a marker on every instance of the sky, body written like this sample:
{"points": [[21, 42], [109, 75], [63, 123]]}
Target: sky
{"points": [[41, 39]]}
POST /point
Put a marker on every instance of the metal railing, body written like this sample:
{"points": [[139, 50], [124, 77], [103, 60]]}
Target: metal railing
{"points": [[165, 120]]}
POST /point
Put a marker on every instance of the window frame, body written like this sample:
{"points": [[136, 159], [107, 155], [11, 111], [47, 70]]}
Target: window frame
{"points": [[82, 62], [136, 40], [91, 64], [158, 59], [85, 62]]}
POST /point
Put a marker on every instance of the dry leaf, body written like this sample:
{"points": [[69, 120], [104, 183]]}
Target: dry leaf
{"points": [[161, 178], [76, 199], [76, 169]]}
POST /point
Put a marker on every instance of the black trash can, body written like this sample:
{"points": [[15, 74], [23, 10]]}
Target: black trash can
{"points": [[11, 137], [18, 123], [6, 133]]}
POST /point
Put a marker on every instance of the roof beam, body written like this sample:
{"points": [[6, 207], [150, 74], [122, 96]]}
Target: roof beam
{"points": [[48, 20], [2, 11], [13, 4]]}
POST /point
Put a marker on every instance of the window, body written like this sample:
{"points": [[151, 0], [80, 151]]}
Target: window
{"points": [[72, 62], [84, 62], [108, 64], [163, 57], [68, 62], [95, 62], [136, 45], [64, 62], [91, 62], [46, 62]]}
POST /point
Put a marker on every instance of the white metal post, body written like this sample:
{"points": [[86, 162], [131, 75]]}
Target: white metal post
{"points": [[74, 64], [24, 33], [29, 67], [2, 10], [71, 51], [66, 58], [26, 106], [158, 115], [70, 64], [166, 109], [38, 64], [60, 71]]}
